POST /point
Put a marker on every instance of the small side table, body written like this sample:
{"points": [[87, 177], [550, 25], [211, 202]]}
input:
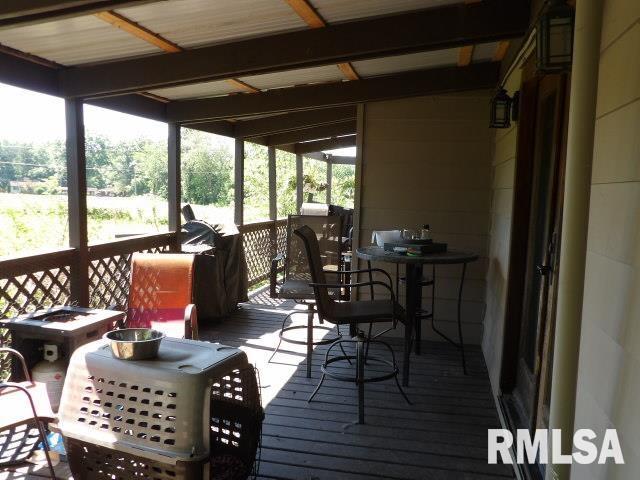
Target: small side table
{"points": [[66, 327]]}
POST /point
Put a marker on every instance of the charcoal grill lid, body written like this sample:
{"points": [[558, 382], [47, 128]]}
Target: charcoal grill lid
{"points": [[197, 232]]}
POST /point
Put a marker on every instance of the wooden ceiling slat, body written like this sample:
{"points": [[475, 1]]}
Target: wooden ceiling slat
{"points": [[437, 80], [307, 13], [501, 51], [138, 31], [465, 55], [431, 29]]}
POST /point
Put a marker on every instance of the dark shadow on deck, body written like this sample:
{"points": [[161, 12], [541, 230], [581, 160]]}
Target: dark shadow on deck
{"points": [[442, 435]]}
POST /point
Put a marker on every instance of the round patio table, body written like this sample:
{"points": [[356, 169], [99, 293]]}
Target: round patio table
{"points": [[413, 265]]}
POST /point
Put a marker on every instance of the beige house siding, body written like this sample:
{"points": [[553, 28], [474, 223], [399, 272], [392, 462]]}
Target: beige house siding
{"points": [[503, 170], [609, 372], [428, 160]]}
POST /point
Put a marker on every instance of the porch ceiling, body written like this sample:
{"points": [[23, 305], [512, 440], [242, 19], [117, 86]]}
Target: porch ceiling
{"points": [[164, 50]]}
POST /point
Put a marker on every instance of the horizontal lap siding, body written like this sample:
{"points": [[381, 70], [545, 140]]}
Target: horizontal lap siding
{"points": [[609, 372], [499, 242], [428, 160]]}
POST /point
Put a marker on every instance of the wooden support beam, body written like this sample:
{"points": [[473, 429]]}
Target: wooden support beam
{"points": [[293, 121], [133, 104], [238, 187], [329, 180], [25, 73], [410, 84], [299, 182], [273, 193], [348, 71], [430, 29], [29, 12], [138, 31], [465, 55], [77, 201], [174, 182], [220, 127], [329, 144], [313, 133]]}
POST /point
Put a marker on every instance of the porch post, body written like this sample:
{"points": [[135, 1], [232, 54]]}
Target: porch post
{"points": [[299, 182], [575, 223], [329, 178], [273, 205], [174, 181], [77, 200], [238, 187]]}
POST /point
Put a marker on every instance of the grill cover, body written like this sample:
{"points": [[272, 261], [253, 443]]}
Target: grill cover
{"points": [[221, 268]]}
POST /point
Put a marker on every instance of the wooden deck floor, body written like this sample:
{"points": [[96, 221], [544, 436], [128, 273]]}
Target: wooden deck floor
{"points": [[442, 435]]}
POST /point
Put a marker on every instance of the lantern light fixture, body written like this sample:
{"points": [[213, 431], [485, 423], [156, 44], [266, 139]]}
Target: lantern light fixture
{"points": [[554, 38], [500, 110]]}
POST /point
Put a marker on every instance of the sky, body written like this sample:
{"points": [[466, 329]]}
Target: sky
{"points": [[27, 116]]}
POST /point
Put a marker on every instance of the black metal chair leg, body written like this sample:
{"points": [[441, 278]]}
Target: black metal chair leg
{"points": [[393, 359], [360, 376], [284, 321], [366, 353], [317, 388], [310, 314]]}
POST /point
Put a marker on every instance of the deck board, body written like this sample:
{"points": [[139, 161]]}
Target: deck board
{"points": [[442, 435]]}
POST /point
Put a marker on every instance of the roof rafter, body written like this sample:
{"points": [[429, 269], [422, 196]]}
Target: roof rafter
{"points": [[313, 133], [329, 144], [437, 80], [293, 121], [310, 15], [143, 33], [431, 29]]}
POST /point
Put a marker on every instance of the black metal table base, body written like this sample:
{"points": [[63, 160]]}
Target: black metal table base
{"points": [[359, 378]]}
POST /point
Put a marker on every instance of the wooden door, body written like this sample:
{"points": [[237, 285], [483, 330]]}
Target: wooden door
{"points": [[538, 305]]}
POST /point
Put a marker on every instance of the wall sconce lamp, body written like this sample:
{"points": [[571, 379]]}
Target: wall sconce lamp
{"points": [[500, 110], [554, 38]]}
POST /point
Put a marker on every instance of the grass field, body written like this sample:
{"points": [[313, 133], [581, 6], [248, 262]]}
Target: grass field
{"points": [[31, 223]]}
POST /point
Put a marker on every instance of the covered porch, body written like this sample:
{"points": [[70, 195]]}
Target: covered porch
{"points": [[441, 436]]}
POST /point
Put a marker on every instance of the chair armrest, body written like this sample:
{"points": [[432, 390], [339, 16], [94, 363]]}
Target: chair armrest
{"points": [[16, 353], [362, 270], [191, 322], [356, 285]]}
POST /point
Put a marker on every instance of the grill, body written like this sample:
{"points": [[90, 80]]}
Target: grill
{"points": [[193, 412]]}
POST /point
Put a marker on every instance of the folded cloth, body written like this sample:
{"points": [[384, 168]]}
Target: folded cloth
{"points": [[380, 237]]}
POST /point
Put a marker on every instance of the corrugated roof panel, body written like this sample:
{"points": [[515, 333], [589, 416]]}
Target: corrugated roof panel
{"points": [[196, 90], [404, 63], [484, 52], [326, 73], [191, 23], [342, 10], [75, 40]]}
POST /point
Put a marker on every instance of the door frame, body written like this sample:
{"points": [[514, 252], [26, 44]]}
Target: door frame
{"points": [[520, 235]]}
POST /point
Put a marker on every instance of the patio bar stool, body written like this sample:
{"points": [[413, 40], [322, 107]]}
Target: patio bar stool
{"points": [[295, 285], [352, 313]]}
